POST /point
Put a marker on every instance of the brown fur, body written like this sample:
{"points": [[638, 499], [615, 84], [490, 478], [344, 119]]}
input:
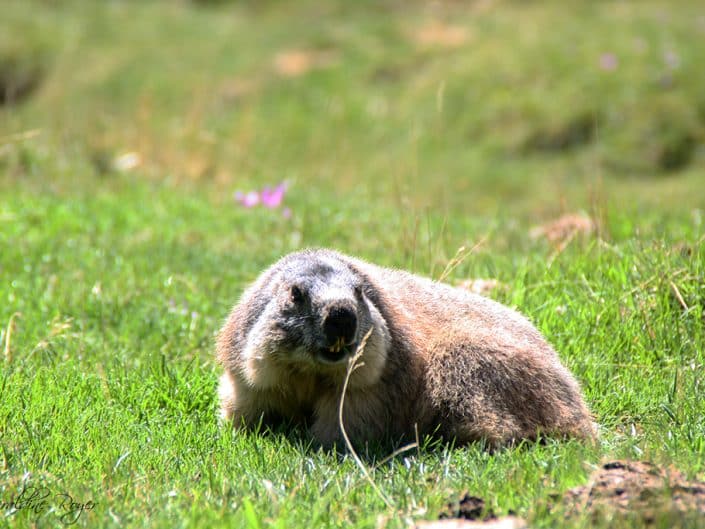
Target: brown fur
{"points": [[440, 361]]}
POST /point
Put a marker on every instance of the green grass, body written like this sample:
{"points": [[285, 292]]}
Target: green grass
{"points": [[113, 284]]}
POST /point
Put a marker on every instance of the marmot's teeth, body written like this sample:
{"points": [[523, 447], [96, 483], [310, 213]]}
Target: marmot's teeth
{"points": [[337, 346]]}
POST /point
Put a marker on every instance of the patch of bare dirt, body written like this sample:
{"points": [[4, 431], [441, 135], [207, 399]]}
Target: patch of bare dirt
{"points": [[470, 513], [637, 489], [440, 35], [469, 508], [295, 63], [562, 230]]}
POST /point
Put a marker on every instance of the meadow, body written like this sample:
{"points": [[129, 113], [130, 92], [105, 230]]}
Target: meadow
{"points": [[444, 138]]}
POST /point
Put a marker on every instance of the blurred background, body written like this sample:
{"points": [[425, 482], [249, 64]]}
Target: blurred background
{"points": [[389, 108]]}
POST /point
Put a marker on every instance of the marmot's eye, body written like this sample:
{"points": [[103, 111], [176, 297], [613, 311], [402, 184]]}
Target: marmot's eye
{"points": [[358, 291], [297, 295]]}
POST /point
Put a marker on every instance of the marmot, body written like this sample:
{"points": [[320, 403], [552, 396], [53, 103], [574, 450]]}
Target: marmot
{"points": [[438, 360]]}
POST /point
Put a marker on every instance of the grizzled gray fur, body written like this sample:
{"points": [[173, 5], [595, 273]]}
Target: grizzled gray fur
{"points": [[438, 360]]}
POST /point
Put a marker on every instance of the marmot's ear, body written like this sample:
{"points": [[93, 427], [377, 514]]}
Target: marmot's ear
{"points": [[297, 294], [365, 287]]}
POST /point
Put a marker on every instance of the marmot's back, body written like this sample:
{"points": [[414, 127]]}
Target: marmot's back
{"points": [[438, 359], [439, 304]]}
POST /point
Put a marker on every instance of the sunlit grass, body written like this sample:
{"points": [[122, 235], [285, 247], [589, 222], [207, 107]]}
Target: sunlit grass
{"points": [[403, 133]]}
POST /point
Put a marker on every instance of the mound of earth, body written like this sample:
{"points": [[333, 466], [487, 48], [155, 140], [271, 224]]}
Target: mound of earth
{"points": [[470, 513], [468, 508], [639, 490]]}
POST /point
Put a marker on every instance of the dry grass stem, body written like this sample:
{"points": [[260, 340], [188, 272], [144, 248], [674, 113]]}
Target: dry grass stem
{"points": [[7, 351], [352, 366], [679, 297], [460, 256]]}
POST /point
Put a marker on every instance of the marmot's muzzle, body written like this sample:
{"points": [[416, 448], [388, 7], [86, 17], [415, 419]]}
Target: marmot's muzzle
{"points": [[339, 327]]}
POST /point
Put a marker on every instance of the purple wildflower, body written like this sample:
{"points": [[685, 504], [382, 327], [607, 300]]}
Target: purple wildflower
{"points": [[249, 199], [272, 198], [269, 197], [609, 62]]}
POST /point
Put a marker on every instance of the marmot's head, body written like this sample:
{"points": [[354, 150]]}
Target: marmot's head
{"points": [[316, 314]]}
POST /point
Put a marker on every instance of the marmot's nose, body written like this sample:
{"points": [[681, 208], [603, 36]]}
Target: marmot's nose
{"points": [[341, 323]]}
